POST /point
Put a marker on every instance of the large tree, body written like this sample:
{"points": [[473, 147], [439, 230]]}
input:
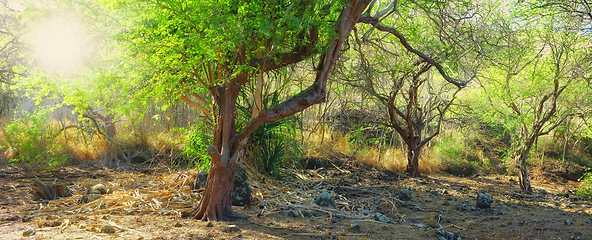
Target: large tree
{"points": [[191, 47]]}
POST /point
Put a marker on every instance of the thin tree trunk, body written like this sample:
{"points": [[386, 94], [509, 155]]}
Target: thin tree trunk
{"points": [[523, 176], [413, 159]]}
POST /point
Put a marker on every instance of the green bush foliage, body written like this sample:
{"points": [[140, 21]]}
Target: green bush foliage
{"points": [[33, 143], [585, 189], [196, 147]]}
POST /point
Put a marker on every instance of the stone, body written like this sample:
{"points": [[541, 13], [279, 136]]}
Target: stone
{"points": [[107, 229], [241, 194], [29, 232], [200, 181], [382, 218], [355, 228], [405, 194], [484, 200], [446, 235], [568, 222], [232, 228], [291, 213], [99, 189], [325, 199]]}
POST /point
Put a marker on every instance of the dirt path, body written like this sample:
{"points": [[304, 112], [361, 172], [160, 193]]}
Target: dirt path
{"points": [[370, 204]]}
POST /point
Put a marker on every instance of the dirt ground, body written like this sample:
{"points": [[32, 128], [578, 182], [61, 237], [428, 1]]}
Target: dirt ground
{"points": [[146, 202]]}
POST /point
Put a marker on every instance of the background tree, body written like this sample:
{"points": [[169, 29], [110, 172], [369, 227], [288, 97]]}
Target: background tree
{"points": [[532, 61], [415, 101]]}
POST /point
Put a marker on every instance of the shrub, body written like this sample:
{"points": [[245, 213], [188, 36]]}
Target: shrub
{"points": [[585, 189], [33, 143], [196, 147]]}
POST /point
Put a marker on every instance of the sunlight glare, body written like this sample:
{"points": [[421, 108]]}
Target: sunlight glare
{"points": [[58, 43]]}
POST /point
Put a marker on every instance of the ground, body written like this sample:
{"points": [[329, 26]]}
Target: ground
{"points": [[145, 202]]}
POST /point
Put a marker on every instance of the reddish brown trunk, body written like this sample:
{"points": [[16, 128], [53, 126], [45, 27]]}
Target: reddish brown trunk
{"points": [[216, 202]]}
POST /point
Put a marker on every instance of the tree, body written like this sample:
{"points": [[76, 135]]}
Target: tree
{"points": [[533, 60], [218, 47], [416, 103]]}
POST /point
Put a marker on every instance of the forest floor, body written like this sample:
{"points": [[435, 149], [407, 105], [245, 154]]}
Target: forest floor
{"points": [[145, 202]]}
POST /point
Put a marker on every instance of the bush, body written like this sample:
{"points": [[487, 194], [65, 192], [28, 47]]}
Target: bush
{"points": [[196, 147], [32, 142], [585, 189]]}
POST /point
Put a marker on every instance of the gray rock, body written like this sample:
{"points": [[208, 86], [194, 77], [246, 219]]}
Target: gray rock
{"points": [[308, 213], [29, 232], [291, 213], [200, 181], [107, 229], [232, 228], [355, 228], [241, 194], [568, 222], [325, 199], [446, 235], [381, 217], [405, 194], [484, 200]]}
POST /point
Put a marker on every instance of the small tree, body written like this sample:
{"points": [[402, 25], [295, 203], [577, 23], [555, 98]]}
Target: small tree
{"points": [[397, 75], [533, 61]]}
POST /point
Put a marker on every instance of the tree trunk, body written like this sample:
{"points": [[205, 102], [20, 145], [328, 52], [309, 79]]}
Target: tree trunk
{"points": [[413, 159], [216, 202], [523, 176]]}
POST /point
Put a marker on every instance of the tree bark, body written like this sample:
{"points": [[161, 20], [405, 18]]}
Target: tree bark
{"points": [[523, 176], [413, 160], [225, 152]]}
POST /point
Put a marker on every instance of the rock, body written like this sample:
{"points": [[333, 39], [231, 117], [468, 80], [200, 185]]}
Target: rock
{"points": [[108, 229], [381, 217], [446, 235], [568, 222], [308, 213], [405, 194], [99, 189], [241, 194], [8, 217], [325, 199], [291, 213], [89, 198], [200, 181], [355, 228], [484, 200], [232, 228], [29, 232]]}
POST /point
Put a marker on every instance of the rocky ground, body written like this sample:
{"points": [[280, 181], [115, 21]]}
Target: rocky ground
{"points": [[333, 199]]}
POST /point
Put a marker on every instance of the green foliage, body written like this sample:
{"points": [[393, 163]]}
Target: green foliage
{"points": [[460, 158], [196, 147], [33, 142], [275, 143], [585, 189]]}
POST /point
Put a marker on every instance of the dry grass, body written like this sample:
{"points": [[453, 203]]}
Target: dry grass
{"points": [[327, 143]]}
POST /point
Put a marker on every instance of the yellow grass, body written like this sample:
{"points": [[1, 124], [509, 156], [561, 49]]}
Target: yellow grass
{"points": [[326, 143]]}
